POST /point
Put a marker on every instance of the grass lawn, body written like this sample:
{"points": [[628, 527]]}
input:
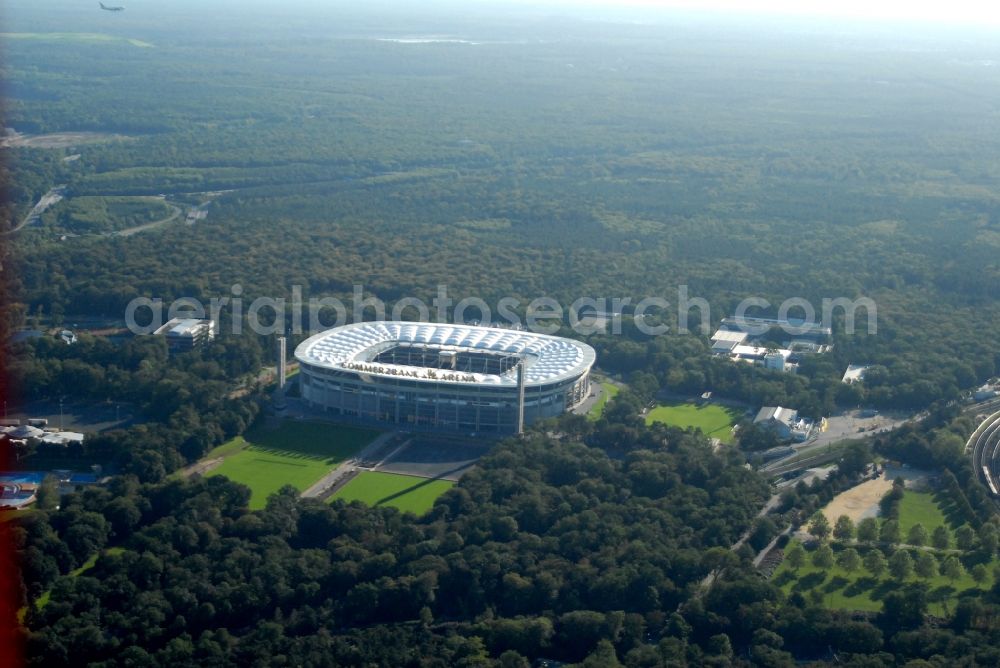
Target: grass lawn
{"points": [[861, 591], [83, 568], [715, 421], [923, 508], [8, 515], [296, 454], [407, 493], [608, 392]]}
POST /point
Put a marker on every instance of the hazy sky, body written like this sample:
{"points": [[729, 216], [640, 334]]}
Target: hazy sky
{"points": [[977, 12]]}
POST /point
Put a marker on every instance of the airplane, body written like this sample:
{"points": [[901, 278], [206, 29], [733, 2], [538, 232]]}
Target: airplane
{"points": [[111, 9]]}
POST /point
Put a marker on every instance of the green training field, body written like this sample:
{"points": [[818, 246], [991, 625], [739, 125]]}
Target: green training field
{"points": [[608, 392], [296, 454], [714, 420], [407, 493]]}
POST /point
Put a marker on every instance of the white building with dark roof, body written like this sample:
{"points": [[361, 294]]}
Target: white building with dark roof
{"points": [[785, 422], [187, 333]]}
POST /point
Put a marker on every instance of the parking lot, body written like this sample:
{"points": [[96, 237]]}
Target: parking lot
{"points": [[852, 425], [77, 416]]}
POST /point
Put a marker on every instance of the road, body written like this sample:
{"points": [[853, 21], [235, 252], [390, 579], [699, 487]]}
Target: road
{"points": [[174, 212]]}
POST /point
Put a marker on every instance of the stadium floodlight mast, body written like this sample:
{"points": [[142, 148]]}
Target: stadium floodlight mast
{"points": [[520, 397]]}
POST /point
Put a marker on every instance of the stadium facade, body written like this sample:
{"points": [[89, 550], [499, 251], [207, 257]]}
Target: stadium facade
{"points": [[441, 376]]}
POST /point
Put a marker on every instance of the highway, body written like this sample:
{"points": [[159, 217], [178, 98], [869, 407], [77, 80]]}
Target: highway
{"points": [[984, 447]]}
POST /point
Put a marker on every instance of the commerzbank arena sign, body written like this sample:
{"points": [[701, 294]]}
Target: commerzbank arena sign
{"points": [[425, 374]]}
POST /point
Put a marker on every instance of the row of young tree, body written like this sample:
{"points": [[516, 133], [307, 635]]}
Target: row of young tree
{"points": [[900, 565]]}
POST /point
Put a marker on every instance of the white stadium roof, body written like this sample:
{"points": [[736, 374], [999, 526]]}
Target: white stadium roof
{"points": [[547, 358]]}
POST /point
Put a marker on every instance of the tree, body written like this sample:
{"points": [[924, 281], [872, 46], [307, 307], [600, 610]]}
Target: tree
{"points": [[849, 560], [868, 530], [926, 566], [819, 526], [979, 573], [965, 537], [795, 556], [901, 565], [717, 559], [903, 609], [875, 562], [603, 655], [124, 516], [764, 530], [917, 535], [843, 530], [952, 569], [941, 537], [47, 496], [988, 538], [720, 646], [823, 557], [889, 532], [854, 459], [511, 659]]}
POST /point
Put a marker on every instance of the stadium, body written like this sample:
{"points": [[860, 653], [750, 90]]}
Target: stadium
{"points": [[440, 376]]}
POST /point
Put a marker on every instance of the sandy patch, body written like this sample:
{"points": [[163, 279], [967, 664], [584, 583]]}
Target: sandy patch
{"points": [[862, 500], [56, 140], [201, 468]]}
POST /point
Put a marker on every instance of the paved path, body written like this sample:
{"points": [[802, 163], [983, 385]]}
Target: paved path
{"points": [[709, 579], [201, 467], [324, 484], [174, 212], [759, 559], [585, 406]]}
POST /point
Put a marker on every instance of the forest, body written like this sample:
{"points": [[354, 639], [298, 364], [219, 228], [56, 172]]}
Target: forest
{"points": [[533, 166], [586, 548]]}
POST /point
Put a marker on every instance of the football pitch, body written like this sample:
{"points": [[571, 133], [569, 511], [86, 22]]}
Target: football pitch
{"points": [[715, 421], [407, 493], [296, 454]]}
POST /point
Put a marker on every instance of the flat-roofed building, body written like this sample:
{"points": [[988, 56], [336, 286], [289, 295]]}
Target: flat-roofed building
{"points": [[187, 333], [785, 422], [724, 340], [775, 359]]}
